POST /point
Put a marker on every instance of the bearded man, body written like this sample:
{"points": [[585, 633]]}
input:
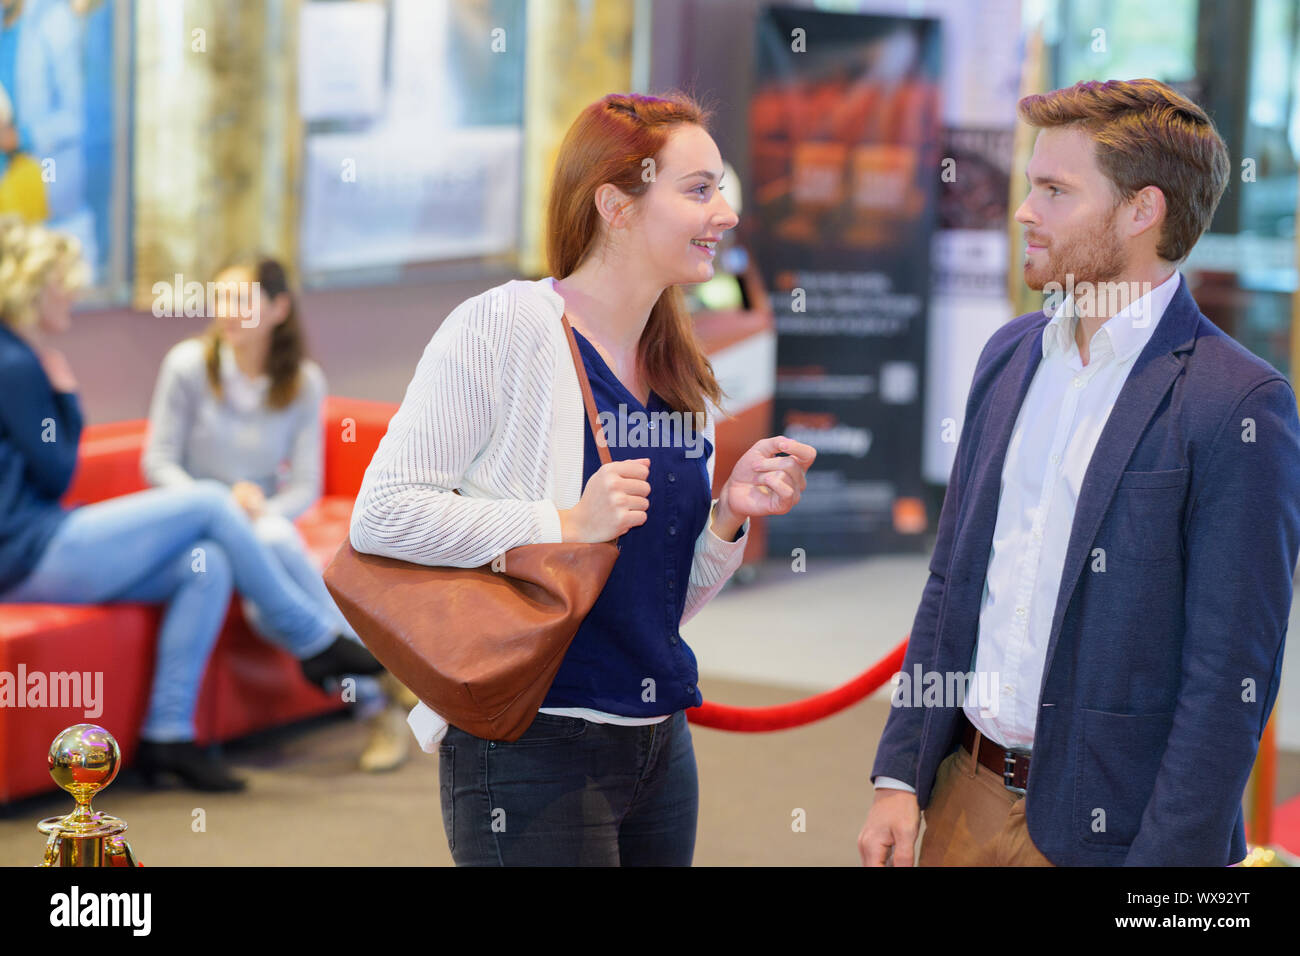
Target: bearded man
{"points": [[1118, 540]]}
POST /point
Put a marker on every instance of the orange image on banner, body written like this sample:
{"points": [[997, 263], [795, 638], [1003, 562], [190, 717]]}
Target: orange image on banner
{"points": [[883, 178], [885, 193], [819, 173], [817, 188], [909, 515]]}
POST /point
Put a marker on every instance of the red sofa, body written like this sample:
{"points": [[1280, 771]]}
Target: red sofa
{"points": [[249, 684]]}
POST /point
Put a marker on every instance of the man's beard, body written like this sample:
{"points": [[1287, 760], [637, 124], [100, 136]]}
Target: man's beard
{"points": [[1094, 255]]}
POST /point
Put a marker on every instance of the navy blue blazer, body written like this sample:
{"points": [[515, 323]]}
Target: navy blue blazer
{"points": [[1162, 668]]}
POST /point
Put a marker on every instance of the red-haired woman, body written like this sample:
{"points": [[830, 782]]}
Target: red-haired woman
{"points": [[606, 772]]}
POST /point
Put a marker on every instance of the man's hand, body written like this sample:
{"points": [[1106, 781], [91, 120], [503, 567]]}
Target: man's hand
{"points": [[892, 825], [249, 497], [8, 138]]}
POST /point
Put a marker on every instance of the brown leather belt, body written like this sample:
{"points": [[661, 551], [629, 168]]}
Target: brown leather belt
{"points": [[1011, 765]]}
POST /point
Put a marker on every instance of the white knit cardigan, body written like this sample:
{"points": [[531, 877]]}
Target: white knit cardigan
{"points": [[495, 410]]}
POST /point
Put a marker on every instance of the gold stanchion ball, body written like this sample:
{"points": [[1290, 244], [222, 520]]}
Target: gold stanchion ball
{"points": [[1267, 856], [84, 759]]}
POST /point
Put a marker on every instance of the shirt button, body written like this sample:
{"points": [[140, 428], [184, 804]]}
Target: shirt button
{"points": [[690, 688], [672, 529], [672, 476], [1007, 688], [1020, 612], [1056, 459], [1038, 533], [670, 584], [1078, 383]]}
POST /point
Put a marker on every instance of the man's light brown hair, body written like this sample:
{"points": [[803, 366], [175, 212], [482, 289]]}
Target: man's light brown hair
{"points": [[1146, 135]]}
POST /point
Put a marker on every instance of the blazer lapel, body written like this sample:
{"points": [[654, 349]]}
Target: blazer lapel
{"points": [[1154, 371]]}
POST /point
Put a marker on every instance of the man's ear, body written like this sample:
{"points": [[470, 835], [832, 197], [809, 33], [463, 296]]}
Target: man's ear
{"points": [[1147, 211]]}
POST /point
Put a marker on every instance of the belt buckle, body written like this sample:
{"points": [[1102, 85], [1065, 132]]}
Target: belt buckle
{"points": [[1009, 755]]}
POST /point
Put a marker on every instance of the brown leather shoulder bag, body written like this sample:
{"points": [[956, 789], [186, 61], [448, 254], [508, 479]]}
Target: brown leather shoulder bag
{"points": [[480, 646]]}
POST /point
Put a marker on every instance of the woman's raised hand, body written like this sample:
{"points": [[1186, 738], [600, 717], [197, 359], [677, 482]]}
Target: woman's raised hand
{"points": [[766, 482]]}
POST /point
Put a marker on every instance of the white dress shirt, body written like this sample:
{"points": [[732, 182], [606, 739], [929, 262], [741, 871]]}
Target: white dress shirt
{"points": [[1058, 426]]}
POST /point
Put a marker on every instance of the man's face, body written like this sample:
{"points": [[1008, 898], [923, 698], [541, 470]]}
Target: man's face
{"points": [[1070, 215]]}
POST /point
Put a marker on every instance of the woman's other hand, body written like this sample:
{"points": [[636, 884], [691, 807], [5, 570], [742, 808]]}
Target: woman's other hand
{"points": [[249, 497]]}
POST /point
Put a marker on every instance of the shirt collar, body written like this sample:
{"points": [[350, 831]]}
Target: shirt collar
{"points": [[1124, 334]]}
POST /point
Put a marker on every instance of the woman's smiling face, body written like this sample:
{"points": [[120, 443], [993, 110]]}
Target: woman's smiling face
{"points": [[675, 225]]}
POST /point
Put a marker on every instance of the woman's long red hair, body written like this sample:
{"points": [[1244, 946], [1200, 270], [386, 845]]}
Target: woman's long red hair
{"points": [[608, 143]]}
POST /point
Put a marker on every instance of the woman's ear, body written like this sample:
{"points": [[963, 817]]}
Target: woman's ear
{"points": [[611, 203], [281, 306]]}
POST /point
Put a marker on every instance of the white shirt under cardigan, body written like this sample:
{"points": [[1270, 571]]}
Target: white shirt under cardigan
{"points": [[495, 411], [1056, 431]]}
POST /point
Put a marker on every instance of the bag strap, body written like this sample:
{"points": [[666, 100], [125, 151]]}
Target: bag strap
{"points": [[601, 447], [587, 398]]}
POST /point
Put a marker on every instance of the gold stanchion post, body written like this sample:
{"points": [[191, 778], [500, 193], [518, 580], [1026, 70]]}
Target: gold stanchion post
{"points": [[84, 759]]}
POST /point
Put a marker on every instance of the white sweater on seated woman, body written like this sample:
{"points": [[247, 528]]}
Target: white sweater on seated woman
{"points": [[194, 435], [495, 410]]}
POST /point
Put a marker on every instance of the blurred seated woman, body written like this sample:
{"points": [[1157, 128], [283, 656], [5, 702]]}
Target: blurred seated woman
{"points": [[186, 547], [242, 404]]}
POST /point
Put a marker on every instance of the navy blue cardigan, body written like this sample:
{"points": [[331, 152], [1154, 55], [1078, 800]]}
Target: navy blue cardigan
{"points": [[39, 433]]}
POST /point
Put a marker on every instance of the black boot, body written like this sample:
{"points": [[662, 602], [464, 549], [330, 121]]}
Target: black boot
{"points": [[186, 760], [344, 656]]}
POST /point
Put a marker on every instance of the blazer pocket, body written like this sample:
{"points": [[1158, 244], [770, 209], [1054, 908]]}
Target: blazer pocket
{"points": [[1115, 773], [1172, 478], [1145, 516]]}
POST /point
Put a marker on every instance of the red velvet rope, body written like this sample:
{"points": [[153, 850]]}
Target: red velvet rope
{"points": [[752, 720]]}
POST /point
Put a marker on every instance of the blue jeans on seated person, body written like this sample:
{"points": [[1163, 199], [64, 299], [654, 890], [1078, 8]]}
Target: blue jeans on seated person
{"points": [[285, 541], [188, 546], [571, 792]]}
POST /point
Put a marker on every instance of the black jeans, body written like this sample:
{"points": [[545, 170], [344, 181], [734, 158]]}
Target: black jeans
{"points": [[570, 792]]}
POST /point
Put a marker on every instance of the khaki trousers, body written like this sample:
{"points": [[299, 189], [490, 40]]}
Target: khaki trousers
{"points": [[973, 820]]}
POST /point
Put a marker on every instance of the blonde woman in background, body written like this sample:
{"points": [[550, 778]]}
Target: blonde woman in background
{"points": [[242, 404], [140, 547]]}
